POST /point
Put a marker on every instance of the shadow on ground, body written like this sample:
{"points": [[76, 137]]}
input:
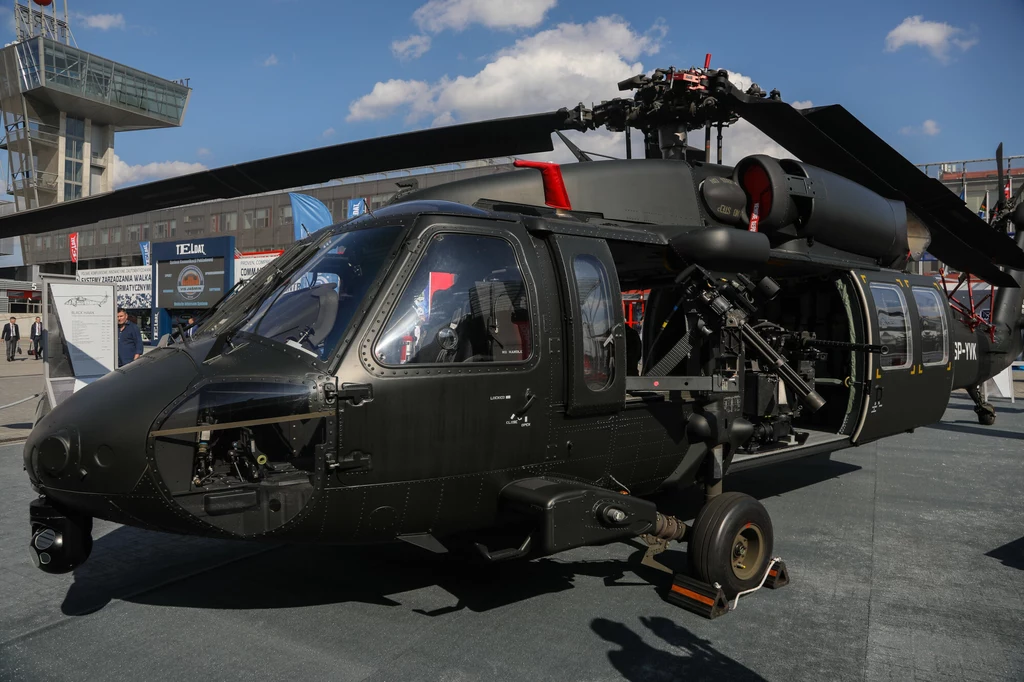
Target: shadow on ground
{"points": [[1011, 554], [975, 429], [637, 660], [304, 575]]}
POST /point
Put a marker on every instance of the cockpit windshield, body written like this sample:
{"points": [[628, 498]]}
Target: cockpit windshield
{"points": [[310, 307]]}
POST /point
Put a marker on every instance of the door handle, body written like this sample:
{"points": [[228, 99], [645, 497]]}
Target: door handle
{"points": [[530, 397]]}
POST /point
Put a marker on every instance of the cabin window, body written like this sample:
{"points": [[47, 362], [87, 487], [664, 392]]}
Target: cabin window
{"points": [[930, 308], [597, 320], [466, 302], [893, 326]]}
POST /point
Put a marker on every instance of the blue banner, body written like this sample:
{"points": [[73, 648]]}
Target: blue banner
{"points": [[308, 215], [145, 252], [354, 208]]}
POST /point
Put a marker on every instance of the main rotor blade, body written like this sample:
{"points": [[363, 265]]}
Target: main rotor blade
{"points": [[832, 138], [435, 146]]}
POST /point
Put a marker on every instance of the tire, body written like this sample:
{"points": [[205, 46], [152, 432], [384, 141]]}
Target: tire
{"points": [[727, 522]]}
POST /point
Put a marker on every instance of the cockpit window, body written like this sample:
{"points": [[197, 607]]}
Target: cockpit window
{"points": [[466, 302], [312, 308]]}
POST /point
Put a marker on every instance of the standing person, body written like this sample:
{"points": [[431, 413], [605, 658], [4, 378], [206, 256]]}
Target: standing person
{"points": [[191, 329], [11, 335], [37, 338], [129, 339]]}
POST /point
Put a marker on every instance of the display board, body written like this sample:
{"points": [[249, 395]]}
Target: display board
{"points": [[83, 342], [189, 283], [134, 284]]}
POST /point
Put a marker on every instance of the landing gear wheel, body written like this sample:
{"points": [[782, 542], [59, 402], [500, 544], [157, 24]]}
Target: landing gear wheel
{"points": [[986, 414], [732, 543]]}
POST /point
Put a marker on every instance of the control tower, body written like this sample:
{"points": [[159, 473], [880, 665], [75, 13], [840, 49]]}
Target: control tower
{"points": [[61, 107]]}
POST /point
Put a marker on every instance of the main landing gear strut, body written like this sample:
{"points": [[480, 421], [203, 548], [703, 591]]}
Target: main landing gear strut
{"points": [[729, 549]]}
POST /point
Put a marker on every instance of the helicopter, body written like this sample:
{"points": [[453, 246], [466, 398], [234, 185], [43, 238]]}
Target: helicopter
{"points": [[454, 370]]}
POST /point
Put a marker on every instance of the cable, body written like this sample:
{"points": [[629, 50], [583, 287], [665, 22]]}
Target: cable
{"points": [[11, 405]]}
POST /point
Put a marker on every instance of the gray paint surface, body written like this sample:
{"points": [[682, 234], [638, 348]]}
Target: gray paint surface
{"points": [[907, 558]]}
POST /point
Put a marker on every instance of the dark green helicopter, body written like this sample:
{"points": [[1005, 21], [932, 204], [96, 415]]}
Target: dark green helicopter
{"points": [[455, 369]]}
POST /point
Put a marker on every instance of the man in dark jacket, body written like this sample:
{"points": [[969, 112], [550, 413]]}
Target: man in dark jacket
{"points": [[37, 339], [10, 335], [129, 339]]}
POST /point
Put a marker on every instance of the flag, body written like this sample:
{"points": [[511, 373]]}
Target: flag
{"points": [[144, 247], [74, 247], [983, 209], [963, 188], [354, 208], [1008, 192], [308, 215]]}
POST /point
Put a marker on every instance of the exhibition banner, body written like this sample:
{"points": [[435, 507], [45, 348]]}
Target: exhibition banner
{"points": [[134, 284], [308, 215]]}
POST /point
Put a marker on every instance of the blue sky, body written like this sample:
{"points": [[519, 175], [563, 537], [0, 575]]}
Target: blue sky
{"points": [[273, 76]]}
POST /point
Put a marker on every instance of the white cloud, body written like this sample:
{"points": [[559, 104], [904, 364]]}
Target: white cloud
{"points": [[802, 104], [328, 133], [551, 69], [271, 60], [203, 151], [929, 127], [438, 15], [935, 36], [125, 174], [103, 22], [412, 47], [385, 98]]}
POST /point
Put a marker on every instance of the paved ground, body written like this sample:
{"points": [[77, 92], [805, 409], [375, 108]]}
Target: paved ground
{"points": [[18, 379], [907, 558]]}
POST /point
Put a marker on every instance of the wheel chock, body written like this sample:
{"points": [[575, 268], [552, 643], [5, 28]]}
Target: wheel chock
{"points": [[778, 576], [697, 597]]}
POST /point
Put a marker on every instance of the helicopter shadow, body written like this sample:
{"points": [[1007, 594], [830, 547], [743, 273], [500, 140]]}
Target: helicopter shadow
{"points": [[636, 660], [975, 429], [272, 577], [1011, 554]]}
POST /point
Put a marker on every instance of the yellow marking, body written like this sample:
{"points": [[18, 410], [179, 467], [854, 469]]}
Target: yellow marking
{"points": [[900, 282], [907, 281], [913, 369], [949, 367], [878, 373], [920, 369], [864, 278]]}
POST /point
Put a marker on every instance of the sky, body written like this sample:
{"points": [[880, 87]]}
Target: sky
{"points": [[938, 80]]}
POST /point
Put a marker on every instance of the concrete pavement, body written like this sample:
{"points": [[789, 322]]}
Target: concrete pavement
{"points": [[907, 557]]}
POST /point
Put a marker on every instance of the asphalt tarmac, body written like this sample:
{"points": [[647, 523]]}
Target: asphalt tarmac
{"points": [[907, 558]]}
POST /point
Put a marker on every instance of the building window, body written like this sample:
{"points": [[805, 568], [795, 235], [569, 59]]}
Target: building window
{"points": [[74, 131], [465, 303], [144, 232], [247, 220], [284, 216], [133, 233], [160, 230], [104, 235], [262, 218], [47, 241], [115, 235], [39, 241]]}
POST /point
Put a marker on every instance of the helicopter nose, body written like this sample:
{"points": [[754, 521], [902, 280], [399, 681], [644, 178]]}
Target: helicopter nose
{"points": [[95, 441]]}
